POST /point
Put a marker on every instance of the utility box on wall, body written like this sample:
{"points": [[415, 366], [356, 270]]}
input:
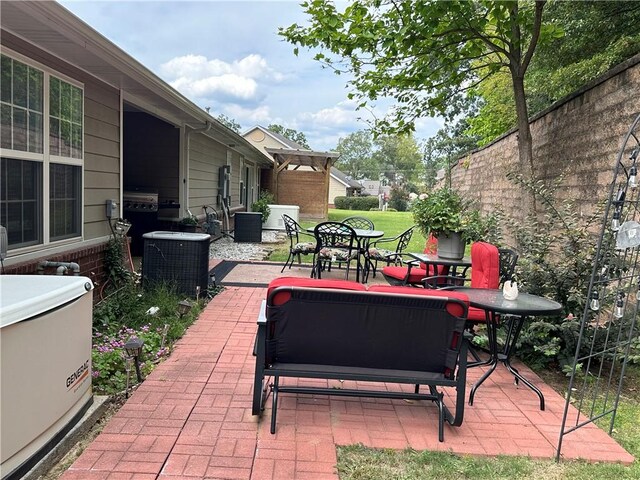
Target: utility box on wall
{"points": [[177, 258], [247, 227]]}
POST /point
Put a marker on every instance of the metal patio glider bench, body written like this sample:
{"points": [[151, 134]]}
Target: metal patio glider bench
{"points": [[328, 329]]}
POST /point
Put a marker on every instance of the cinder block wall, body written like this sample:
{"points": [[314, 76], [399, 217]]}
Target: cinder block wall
{"points": [[578, 137]]}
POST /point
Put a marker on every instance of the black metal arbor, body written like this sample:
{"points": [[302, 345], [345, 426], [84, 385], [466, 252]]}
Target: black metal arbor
{"points": [[608, 322]]}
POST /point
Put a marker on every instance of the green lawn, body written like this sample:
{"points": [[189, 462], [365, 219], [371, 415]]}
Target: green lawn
{"points": [[391, 223], [356, 462]]}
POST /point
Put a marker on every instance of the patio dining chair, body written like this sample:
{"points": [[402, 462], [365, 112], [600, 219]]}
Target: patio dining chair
{"points": [[490, 268], [335, 243], [414, 271], [359, 223], [296, 247], [378, 253]]}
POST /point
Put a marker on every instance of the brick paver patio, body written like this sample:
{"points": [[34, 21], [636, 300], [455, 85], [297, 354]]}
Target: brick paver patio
{"points": [[191, 418]]}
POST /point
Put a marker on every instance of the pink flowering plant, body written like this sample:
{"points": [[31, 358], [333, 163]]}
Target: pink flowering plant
{"points": [[150, 315]]}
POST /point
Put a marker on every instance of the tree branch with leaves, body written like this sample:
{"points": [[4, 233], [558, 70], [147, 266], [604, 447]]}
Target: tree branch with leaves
{"points": [[425, 55]]}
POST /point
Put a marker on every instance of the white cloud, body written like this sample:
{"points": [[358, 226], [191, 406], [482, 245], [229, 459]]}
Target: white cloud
{"points": [[249, 117], [198, 77], [228, 84]]}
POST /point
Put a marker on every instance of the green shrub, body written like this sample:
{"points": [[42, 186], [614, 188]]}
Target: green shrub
{"points": [[556, 263], [262, 204], [356, 203], [399, 199]]}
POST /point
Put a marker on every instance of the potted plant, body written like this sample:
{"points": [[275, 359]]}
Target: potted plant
{"points": [[188, 224], [450, 218]]}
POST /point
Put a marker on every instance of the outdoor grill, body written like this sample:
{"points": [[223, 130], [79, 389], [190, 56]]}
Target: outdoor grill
{"points": [[141, 209], [134, 201]]}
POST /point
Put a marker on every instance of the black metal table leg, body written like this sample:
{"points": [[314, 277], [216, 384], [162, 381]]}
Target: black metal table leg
{"points": [[493, 349], [505, 357]]}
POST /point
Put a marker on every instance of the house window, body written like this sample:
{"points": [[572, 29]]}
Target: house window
{"points": [[20, 195], [41, 134], [64, 204], [65, 119], [21, 106]]}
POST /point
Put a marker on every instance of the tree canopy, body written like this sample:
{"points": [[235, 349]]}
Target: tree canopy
{"points": [[395, 159], [427, 55], [596, 37], [229, 122], [290, 133], [356, 152]]}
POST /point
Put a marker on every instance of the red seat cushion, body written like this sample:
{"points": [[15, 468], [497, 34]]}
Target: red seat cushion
{"points": [[485, 273], [416, 274], [399, 273], [485, 265], [421, 291], [312, 283], [476, 315]]}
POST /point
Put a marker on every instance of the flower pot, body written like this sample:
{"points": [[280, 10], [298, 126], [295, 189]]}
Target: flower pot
{"points": [[451, 245]]}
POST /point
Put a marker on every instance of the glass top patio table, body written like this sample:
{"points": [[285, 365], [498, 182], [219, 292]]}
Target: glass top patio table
{"points": [[493, 303], [433, 259]]}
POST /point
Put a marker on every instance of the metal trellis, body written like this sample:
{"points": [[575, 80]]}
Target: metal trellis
{"points": [[607, 327]]}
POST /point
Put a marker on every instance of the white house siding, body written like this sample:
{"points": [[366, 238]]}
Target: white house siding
{"points": [[336, 189]]}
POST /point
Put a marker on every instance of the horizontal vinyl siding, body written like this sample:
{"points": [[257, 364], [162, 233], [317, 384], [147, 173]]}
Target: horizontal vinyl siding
{"points": [[206, 156], [336, 189], [101, 157]]}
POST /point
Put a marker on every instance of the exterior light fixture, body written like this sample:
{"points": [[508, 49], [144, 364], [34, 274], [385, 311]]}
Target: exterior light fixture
{"points": [[618, 311], [121, 227], [594, 304], [133, 348], [633, 177], [615, 220], [184, 307]]}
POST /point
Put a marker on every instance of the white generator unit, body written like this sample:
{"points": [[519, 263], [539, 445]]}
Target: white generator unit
{"points": [[45, 365], [275, 222]]}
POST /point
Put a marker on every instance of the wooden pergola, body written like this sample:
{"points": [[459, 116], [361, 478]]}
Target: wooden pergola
{"points": [[292, 160]]}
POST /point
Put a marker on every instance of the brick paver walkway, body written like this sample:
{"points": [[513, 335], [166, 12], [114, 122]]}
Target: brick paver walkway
{"points": [[191, 418]]}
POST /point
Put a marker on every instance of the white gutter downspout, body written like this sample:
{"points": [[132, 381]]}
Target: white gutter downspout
{"points": [[185, 177]]}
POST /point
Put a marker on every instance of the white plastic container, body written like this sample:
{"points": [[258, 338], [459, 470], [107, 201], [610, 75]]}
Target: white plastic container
{"points": [[275, 221], [45, 364]]}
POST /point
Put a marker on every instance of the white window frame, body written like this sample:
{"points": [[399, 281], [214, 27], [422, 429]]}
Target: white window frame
{"points": [[45, 158]]}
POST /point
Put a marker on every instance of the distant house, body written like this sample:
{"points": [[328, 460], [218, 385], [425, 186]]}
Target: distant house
{"points": [[341, 185], [375, 187], [89, 126], [299, 176]]}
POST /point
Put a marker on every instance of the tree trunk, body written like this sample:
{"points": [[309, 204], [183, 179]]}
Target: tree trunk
{"points": [[525, 146]]}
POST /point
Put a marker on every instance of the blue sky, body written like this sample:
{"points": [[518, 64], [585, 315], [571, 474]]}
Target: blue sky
{"points": [[227, 55]]}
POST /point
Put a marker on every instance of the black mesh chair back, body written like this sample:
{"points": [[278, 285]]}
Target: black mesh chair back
{"points": [[335, 243], [508, 260], [296, 247], [403, 240], [360, 223], [292, 228], [381, 250]]}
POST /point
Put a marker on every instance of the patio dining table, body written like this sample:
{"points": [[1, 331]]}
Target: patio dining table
{"points": [[493, 303], [363, 237], [431, 259]]}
